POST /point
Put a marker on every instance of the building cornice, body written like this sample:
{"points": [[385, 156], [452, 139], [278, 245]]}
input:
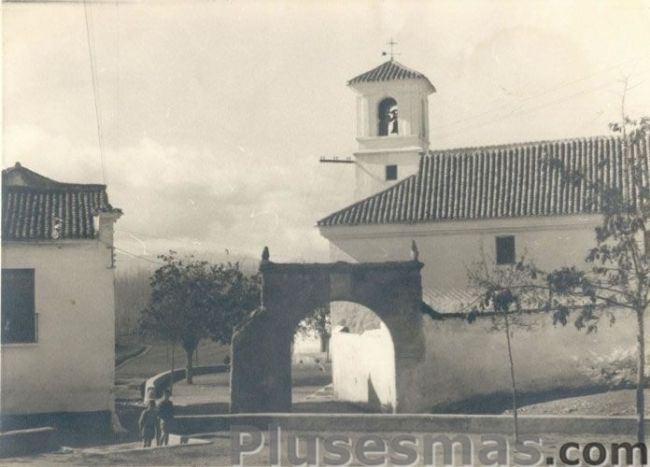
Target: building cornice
{"points": [[487, 226], [67, 242]]}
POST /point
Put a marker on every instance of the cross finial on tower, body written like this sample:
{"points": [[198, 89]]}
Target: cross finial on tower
{"points": [[391, 43]]}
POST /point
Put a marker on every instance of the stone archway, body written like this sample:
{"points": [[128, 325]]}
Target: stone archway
{"points": [[260, 378]]}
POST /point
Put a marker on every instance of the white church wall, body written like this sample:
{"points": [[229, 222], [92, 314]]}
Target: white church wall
{"points": [[370, 170], [448, 249], [71, 366], [364, 363], [465, 360]]}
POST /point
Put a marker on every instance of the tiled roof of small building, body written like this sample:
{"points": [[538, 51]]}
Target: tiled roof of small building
{"points": [[389, 71], [512, 180], [35, 207]]}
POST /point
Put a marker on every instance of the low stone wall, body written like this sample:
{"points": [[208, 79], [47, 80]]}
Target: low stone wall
{"points": [[24, 442], [81, 422], [158, 383], [411, 423], [121, 359]]}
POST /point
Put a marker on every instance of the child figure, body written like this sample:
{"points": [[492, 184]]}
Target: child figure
{"points": [[148, 423], [166, 415]]}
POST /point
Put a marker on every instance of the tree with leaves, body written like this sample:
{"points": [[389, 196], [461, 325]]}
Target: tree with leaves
{"points": [[619, 276], [505, 292], [239, 295], [319, 323], [617, 273], [193, 299]]}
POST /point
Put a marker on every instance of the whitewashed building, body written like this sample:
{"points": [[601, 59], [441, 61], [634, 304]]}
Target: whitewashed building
{"points": [[58, 319], [462, 205]]}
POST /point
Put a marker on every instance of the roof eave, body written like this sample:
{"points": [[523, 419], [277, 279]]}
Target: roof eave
{"points": [[362, 85]]}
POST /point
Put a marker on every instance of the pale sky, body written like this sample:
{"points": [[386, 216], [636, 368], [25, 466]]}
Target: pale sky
{"points": [[214, 113]]}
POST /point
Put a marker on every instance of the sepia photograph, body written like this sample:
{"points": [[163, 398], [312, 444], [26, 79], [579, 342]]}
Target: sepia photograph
{"points": [[325, 233]]}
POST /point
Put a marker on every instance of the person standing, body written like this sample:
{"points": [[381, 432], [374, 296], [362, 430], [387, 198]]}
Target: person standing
{"points": [[148, 423], [166, 416]]}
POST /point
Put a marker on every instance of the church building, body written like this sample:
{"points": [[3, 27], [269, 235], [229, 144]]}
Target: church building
{"points": [[462, 207]]}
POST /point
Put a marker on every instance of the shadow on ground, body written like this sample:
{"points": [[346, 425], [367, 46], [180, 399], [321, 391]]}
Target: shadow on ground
{"points": [[498, 403]]}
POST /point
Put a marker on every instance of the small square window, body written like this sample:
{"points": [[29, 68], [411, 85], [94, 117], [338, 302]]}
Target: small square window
{"points": [[505, 249], [391, 172]]}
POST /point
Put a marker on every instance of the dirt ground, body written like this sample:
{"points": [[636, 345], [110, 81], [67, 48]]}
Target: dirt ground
{"points": [[218, 453], [612, 403]]}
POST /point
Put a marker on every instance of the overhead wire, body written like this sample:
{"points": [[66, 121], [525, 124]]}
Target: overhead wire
{"points": [[90, 38], [562, 85], [117, 80], [230, 252], [527, 111]]}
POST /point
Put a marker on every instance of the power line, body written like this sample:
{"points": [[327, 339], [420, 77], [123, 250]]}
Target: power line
{"points": [[131, 254], [135, 235], [93, 70], [532, 109], [531, 97], [230, 252], [117, 80], [136, 256]]}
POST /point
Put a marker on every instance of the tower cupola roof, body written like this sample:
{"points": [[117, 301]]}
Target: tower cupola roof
{"points": [[390, 71]]}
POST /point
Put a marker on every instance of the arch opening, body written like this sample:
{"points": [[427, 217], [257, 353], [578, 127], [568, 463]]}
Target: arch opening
{"points": [[388, 117], [363, 358], [343, 360], [311, 366]]}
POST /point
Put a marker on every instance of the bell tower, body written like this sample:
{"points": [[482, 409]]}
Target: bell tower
{"points": [[392, 125]]}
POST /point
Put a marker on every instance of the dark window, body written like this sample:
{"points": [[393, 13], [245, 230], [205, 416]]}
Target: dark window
{"points": [[388, 117], [391, 172], [506, 250], [18, 317]]}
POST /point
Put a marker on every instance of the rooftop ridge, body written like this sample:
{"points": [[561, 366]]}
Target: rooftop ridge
{"points": [[521, 144], [390, 70], [34, 180], [57, 188], [401, 65]]}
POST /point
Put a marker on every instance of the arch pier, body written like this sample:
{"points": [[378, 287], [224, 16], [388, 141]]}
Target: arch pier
{"points": [[261, 346]]}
